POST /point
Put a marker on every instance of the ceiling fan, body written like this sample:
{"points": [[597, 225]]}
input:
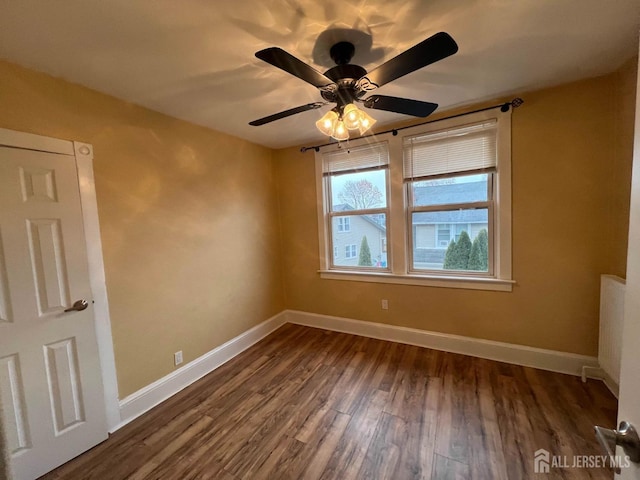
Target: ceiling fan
{"points": [[345, 84]]}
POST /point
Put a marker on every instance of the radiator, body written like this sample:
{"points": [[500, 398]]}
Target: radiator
{"points": [[611, 319]]}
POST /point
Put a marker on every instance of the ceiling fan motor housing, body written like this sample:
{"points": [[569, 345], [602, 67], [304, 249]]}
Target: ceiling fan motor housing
{"points": [[344, 75], [342, 52]]}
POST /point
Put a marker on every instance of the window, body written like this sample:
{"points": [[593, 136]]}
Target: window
{"points": [[355, 181], [335, 252], [446, 217], [344, 224], [449, 179], [350, 251], [444, 234]]}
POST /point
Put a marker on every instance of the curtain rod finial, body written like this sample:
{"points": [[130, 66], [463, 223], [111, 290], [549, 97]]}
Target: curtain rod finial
{"points": [[516, 102]]}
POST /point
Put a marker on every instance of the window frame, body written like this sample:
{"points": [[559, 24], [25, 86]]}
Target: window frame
{"points": [[345, 225], [437, 233], [327, 213], [350, 251], [450, 238], [398, 221]]}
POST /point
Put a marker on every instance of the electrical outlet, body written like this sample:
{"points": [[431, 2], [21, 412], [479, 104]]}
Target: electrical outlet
{"points": [[177, 358], [385, 304]]}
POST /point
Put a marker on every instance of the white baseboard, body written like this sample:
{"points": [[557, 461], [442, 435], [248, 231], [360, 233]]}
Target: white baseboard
{"points": [[562, 362], [148, 397], [599, 373]]}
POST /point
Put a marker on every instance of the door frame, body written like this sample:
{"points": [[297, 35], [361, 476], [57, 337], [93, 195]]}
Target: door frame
{"points": [[83, 154]]}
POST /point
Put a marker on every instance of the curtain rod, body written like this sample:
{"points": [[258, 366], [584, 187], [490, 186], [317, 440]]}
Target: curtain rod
{"points": [[504, 107]]}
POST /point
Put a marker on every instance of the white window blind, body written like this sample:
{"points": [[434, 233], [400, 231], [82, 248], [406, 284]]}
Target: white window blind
{"points": [[355, 159], [460, 149]]}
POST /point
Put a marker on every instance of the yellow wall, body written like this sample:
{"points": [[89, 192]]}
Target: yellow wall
{"points": [[570, 154], [188, 217]]}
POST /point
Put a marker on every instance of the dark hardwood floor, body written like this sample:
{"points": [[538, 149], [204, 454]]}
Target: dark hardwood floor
{"points": [[306, 403]]}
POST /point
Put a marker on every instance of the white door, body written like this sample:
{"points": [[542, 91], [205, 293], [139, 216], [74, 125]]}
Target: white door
{"points": [[629, 400], [50, 379]]}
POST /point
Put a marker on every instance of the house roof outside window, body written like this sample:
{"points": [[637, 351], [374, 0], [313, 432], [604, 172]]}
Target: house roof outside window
{"points": [[447, 194]]}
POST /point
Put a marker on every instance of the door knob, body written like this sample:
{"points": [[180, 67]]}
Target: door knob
{"points": [[78, 306], [626, 436]]}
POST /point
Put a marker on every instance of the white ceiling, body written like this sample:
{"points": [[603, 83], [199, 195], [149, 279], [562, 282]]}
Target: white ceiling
{"points": [[194, 59]]}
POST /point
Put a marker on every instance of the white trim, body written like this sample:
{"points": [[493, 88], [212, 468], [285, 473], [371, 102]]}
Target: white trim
{"points": [[442, 281], [324, 242], [148, 397], [599, 374], [561, 362], [29, 141], [102, 319], [502, 234]]}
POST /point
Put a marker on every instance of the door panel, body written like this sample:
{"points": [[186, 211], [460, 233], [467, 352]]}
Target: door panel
{"points": [[38, 185], [12, 399], [47, 260], [64, 385], [5, 310], [50, 374]]}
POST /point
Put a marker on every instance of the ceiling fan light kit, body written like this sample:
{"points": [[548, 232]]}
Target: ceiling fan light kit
{"points": [[337, 124], [347, 84], [341, 132], [351, 116], [327, 124], [366, 122]]}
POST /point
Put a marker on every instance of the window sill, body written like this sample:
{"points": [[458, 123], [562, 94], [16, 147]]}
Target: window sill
{"points": [[469, 283]]}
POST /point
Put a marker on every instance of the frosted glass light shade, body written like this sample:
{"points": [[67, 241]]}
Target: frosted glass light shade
{"points": [[340, 132], [337, 126], [351, 116], [366, 122], [327, 123]]}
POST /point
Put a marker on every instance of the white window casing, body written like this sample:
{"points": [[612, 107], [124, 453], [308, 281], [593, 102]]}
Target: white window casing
{"points": [[343, 226], [486, 148]]}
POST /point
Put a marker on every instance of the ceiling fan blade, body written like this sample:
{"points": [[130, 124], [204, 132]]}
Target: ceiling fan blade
{"points": [[290, 64], [400, 105], [286, 113], [429, 51]]}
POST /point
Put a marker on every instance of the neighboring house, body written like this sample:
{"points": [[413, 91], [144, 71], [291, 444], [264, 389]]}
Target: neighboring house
{"points": [[433, 231], [348, 233]]}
